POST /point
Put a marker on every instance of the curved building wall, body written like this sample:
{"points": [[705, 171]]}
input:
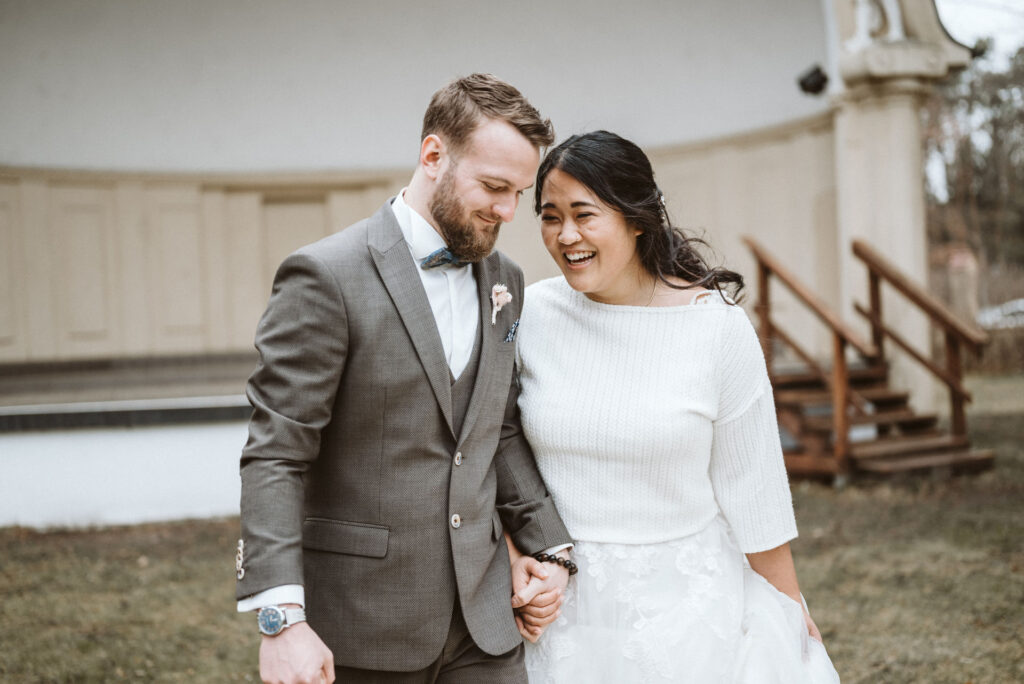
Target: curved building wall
{"points": [[109, 265], [244, 85], [157, 160]]}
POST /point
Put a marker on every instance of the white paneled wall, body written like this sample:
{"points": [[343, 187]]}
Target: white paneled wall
{"points": [[104, 266], [119, 265]]}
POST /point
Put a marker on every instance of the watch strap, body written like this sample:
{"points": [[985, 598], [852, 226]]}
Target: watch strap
{"points": [[293, 616]]}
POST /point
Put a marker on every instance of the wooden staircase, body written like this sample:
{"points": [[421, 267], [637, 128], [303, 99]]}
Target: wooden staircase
{"points": [[874, 430]]}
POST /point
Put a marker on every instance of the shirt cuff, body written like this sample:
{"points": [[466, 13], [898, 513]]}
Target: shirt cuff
{"points": [[555, 549], [286, 593]]}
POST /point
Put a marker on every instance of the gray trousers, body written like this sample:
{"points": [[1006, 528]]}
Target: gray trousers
{"points": [[461, 662]]}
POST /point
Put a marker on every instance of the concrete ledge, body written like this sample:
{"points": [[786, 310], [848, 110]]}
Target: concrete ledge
{"points": [[126, 413]]}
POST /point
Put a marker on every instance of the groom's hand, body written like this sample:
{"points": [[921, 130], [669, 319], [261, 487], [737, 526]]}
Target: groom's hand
{"points": [[296, 656]]}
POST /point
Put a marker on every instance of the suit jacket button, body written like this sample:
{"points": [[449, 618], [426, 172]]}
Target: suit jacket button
{"points": [[458, 458], [456, 521]]}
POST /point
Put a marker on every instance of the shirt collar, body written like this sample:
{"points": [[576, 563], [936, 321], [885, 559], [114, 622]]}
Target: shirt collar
{"points": [[419, 235]]}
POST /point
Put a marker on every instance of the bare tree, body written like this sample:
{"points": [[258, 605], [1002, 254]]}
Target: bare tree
{"points": [[975, 125]]}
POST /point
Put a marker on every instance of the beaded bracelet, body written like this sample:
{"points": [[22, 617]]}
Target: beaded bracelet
{"points": [[557, 560]]}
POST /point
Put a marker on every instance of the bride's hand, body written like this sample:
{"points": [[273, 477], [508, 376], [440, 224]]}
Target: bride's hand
{"points": [[811, 627], [539, 602]]}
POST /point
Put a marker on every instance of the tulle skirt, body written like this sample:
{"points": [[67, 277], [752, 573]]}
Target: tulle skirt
{"points": [[686, 610]]}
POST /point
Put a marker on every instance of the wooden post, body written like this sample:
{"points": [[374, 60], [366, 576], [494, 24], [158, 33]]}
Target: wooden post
{"points": [[764, 313], [957, 417], [840, 420], [875, 293], [877, 332]]}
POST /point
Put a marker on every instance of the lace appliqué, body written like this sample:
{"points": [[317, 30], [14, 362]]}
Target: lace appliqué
{"points": [[642, 605]]}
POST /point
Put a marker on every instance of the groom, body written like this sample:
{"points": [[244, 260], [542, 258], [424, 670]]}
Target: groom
{"points": [[385, 455]]}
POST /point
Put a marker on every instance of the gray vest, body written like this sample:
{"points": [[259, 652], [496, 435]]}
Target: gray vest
{"points": [[462, 389]]}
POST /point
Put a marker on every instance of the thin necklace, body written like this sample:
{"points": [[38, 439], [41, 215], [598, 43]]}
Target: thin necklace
{"points": [[653, 290]]}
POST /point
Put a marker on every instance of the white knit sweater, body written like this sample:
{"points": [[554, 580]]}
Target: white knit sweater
{"points": [[648, 421]]}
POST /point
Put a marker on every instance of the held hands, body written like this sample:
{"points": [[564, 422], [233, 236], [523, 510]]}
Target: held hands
{"points": [[296, 656], [538, 592]]}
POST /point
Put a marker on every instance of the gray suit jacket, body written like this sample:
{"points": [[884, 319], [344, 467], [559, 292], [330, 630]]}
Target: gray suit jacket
{"points": [[349, 482]]}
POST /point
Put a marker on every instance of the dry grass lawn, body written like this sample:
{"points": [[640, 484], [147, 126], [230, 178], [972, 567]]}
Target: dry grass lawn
{"points": [[922, 581], [916, 581]]}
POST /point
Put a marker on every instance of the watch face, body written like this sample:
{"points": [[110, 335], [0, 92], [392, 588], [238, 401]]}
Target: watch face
{"points": [[270, 620]]}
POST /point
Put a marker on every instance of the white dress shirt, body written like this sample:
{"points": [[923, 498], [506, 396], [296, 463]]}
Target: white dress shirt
{"points": [[451, 290]]}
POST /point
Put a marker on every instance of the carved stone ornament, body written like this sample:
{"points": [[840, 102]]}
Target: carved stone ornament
{"points": [[894, 39]]}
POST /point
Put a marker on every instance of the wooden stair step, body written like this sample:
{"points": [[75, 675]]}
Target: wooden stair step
{"points": [[860, 374], [802, 464], [904, 418], [805, 397], [957, 460], [904, 444]]}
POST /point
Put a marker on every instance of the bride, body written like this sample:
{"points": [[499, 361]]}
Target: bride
{"points": [[645, 397]]}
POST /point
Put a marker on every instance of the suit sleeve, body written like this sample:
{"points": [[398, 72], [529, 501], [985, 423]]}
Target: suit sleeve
{"points": [[526, 509], [302, 342]]}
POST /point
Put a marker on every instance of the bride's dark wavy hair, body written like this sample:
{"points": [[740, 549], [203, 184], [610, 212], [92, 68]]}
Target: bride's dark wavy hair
{"points": [[620, 174]]}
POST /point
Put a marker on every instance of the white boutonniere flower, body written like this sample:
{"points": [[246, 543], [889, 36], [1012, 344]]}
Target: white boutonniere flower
{"points": [[500, 296]]}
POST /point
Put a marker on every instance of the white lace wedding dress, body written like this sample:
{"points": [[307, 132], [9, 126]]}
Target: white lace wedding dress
{"points": [[654, 429], [681, 611]]}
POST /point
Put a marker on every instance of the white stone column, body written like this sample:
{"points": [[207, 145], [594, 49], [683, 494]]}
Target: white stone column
{"points": [[880, 199], [891, 54]]}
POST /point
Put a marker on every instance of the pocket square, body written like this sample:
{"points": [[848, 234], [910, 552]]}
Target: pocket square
{"points": [[510, 336]]}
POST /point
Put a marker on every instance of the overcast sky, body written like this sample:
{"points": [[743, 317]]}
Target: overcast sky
{"points": [[968, 20]]}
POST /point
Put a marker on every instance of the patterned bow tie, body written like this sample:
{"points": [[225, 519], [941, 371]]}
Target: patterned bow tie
{"points": [[440, 257]]}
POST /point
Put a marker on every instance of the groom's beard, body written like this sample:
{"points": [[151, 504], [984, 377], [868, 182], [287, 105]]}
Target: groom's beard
{"points": [[464, 240]]}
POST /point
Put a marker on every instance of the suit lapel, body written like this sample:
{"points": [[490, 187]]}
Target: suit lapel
{"points": [[486, 276], [397, 270]]}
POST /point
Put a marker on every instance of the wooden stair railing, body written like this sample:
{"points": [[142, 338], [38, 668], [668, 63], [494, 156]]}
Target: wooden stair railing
{"points": [[955, 332], [838, 380], [823, 407]]}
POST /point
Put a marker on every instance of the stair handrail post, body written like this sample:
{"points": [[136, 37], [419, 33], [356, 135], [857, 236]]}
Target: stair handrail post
{"points": [[957, 415], [875, 302], [840, 416]]}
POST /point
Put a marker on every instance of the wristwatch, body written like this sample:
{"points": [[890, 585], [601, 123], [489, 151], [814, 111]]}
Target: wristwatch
{"points": [[272, 620]]}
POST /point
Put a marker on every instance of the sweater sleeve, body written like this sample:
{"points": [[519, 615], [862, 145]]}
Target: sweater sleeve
{"points": [[747, 470]]}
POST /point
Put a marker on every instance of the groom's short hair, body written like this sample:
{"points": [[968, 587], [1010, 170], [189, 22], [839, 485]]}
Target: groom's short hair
{"points": [[458, 108]]}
